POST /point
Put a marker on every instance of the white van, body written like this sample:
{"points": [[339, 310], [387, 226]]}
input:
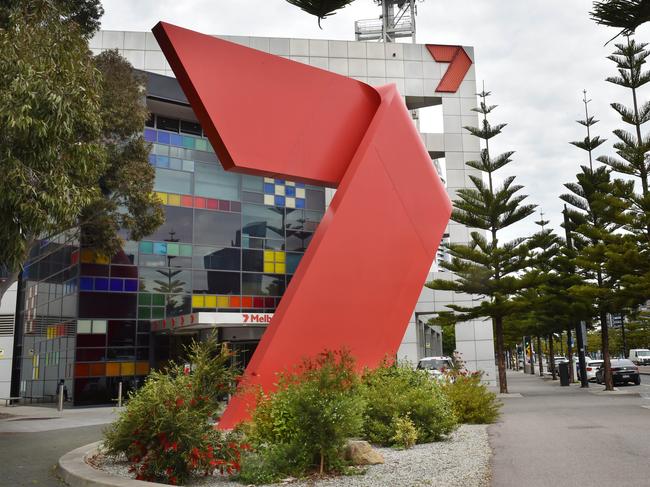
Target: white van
{"points": [[640, 356]]}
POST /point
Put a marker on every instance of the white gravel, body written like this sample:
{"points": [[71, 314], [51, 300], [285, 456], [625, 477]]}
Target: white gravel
{"points": [[462, 461]]}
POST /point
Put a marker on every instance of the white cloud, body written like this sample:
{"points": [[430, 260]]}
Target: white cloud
{"points": [[536, 56]]}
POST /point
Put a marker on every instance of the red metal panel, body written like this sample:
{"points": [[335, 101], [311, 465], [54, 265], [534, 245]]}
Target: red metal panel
{"points": [[459, 64], [361, 276]]}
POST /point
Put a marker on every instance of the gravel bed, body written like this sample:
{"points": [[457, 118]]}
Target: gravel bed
{"points": [[463, 460]]}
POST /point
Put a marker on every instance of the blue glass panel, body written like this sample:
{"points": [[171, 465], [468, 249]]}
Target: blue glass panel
{"points": [[300, 202], [175, 139], [152, 159], [160, 248], [162, 161], [131, 285], [117, 285], [279, 201], [149, 135], [269, 188], [279, 181], [163, 138], [86, 283], [300, 185], [101, 284], [290, 191]]}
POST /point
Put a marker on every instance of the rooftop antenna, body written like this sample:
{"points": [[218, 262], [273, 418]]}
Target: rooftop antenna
{"points": [[397, 20]]}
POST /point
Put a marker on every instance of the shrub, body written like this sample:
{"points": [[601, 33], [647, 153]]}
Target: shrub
{"points": [[405, 433], [166, 430], [398, 390], [304, 425], [473, 403]]}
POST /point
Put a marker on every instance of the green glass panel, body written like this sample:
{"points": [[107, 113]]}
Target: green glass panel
{"points": [[172, 249], [144, 299], [144, 313], [188, 142], [158, 300], [157, 313], [146, 247], [201, 144], [185, 250]]}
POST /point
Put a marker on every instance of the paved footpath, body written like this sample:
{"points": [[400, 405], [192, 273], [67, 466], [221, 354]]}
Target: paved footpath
{"points": [[32, 438], [567, 436]]}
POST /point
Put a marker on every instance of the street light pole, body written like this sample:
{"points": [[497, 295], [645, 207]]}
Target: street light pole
{"points": [[584, 383]]}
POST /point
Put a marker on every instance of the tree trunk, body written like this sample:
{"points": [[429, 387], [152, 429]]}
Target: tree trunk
{"points": [[604, 333], [569, 354], [539, 356], [551, 357], [501, 363]]}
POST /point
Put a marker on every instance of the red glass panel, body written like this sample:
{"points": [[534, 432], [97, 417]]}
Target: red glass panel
{"points": [[187, 201], [212, 204], [81, 370], [199, 202], [98, 369], [224, 205], [235, 301], [246, 302], [258, 302], [269, 302]]}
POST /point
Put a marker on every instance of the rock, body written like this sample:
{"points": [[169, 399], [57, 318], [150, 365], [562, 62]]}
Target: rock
{"points": [[360, 452]]}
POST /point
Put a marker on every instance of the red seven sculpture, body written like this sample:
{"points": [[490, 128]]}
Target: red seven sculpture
{"points": [[359, 281]]}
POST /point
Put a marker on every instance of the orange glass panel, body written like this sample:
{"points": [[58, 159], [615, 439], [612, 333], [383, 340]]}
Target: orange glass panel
{"points": [[235, 301], [128, 368], [98, 369], [113, 369], [246, 302], [141, 368]]}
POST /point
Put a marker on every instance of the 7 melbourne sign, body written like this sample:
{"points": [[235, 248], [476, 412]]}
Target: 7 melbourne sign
{"points": [[360, 278]]}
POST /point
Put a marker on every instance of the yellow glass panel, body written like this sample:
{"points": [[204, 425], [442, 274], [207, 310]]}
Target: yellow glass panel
{"points": [[280, 268], [269, 256], [198, 301], [223, 302], [269, 267], [279, 257], [210, 301], [101, 259], [128, 368], [86, 256], [162, 197], [174, 200], [113, 369], [141, 368]]}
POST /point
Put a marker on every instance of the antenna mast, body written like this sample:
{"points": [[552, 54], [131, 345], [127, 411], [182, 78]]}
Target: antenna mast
{"points": [[397, 20]]}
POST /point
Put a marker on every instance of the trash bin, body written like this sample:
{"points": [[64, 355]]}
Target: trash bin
{"points": [[564, 373]]}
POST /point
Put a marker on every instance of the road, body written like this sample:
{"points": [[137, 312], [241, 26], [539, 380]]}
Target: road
{"points": [[570, 436], [28, 459]]}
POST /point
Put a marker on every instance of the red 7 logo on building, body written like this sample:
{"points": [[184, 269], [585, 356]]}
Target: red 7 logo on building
{"points": [[459, 64], [245, 318], [360, 278]]}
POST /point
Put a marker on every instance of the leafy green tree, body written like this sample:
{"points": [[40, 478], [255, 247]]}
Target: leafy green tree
{"points": [[71, 146], [626, 15], [486, 266]]}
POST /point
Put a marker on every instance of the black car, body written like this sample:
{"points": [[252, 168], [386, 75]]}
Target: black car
{"points": [[623, 371]]}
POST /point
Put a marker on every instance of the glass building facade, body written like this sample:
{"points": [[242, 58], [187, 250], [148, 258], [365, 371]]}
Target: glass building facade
{"points": [[229, 243]]}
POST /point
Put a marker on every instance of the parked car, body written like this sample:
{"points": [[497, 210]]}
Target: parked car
{"points": [[591, 367], [558, 360], [640, 356], [623, 371], [436, 366]]}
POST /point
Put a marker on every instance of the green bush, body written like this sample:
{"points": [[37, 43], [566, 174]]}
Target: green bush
{"points": [[166, 430], [303, 426], [405, 433], [472, 402], [398, 390]]}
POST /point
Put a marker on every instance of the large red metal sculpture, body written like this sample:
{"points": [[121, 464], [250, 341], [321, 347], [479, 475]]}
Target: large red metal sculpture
{"points": [[359, 281]]}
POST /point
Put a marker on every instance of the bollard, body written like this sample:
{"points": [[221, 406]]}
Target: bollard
{"points": [[59, 406], [119, 395]]}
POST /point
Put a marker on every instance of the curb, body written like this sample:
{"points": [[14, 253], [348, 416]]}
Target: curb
{"points": [[74, 470]]}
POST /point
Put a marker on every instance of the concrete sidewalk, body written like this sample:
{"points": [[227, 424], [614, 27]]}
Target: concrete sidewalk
{"points": [[31, 419], [569, 436]]}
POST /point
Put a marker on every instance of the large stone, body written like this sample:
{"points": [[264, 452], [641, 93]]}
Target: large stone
{"points": [[360, 452]]}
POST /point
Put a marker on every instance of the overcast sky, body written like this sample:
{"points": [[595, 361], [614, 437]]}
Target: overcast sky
{"points": [[536, 56]]}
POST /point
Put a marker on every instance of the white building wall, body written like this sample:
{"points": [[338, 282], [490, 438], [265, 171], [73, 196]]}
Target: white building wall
{"points": [[416, 74], [7, 311]]}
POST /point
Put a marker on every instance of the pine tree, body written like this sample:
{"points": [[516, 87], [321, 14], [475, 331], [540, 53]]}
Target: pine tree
{"points": [[632, 148], [320, 8], [627, 15], [485, 266]]}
